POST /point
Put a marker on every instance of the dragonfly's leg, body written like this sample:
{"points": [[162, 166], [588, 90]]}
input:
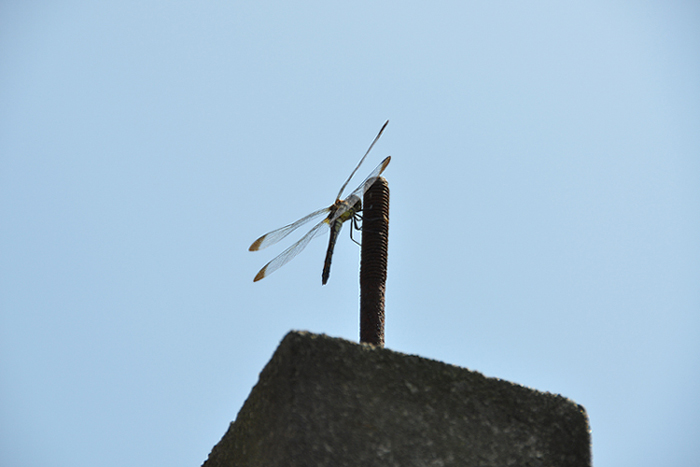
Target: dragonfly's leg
{"points": [[355, 222], [362, 229], [355, 226]]}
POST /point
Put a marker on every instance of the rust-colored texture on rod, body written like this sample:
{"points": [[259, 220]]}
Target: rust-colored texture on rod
{"points": [[373, 262]]}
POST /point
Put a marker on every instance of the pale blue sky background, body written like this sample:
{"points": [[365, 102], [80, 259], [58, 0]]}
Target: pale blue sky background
{"points": [[545, 216]]}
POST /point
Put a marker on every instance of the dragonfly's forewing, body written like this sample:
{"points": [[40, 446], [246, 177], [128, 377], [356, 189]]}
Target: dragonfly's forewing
{"points": [[340, 193], [288, 254], [356, 195], [275, 236]]}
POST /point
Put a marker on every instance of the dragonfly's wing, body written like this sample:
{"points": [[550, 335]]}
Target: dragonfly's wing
{"points": [[356, 195], [275, 236], [340, 193], [289, 254]]}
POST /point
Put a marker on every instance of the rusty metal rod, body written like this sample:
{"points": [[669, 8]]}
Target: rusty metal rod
{"points": [[373, 262]]}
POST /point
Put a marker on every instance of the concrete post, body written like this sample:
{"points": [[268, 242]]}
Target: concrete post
{"points": [[322, 401]]}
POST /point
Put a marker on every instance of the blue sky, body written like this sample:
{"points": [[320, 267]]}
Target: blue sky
{"points": [[545, 190]]}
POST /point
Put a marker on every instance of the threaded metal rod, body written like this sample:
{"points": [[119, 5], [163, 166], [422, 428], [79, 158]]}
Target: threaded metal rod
{"points": [[373, 262]]}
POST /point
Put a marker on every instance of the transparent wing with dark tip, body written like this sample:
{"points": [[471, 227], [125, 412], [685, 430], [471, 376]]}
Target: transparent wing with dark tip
{"points": [[275, 236], [340, 193], [289, 254]]}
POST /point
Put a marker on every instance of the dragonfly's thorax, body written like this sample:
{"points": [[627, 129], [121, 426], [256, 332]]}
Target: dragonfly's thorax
{"points": [[343, 210]]}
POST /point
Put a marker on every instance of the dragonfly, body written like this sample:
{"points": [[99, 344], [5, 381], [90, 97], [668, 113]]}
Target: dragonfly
{"points": [[334, 216]]}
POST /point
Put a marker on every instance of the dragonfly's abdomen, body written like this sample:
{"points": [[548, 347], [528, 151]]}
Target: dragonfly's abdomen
{"points": [[335, 226], [335, 231]]}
